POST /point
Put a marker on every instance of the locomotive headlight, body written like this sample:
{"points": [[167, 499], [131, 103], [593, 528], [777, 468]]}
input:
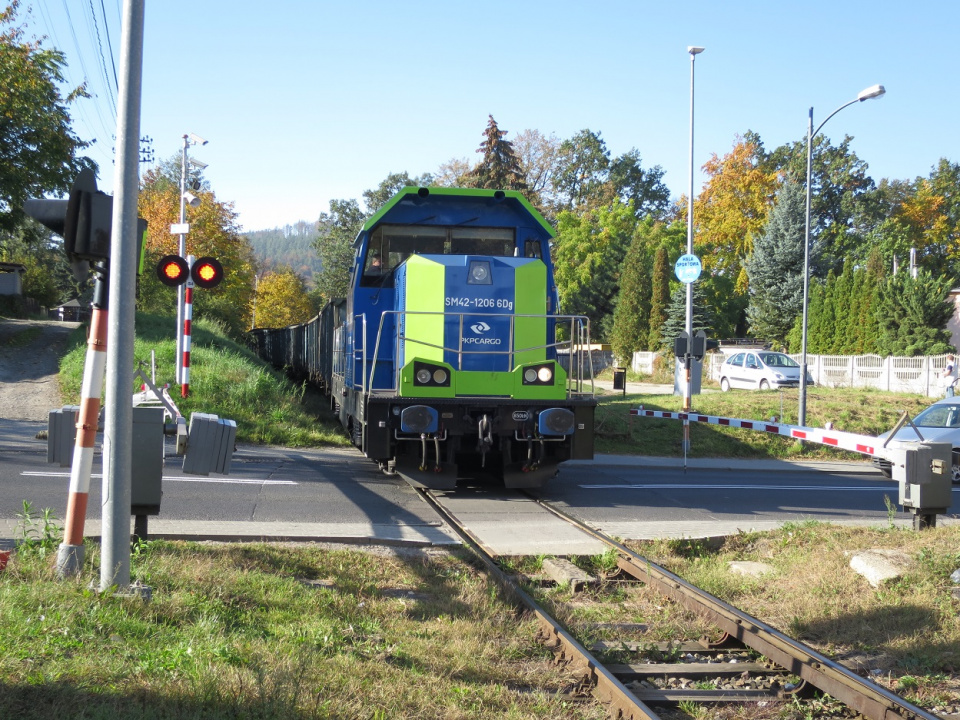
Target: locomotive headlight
{"points": [[479, 273], [430, 375], [541, 374]]}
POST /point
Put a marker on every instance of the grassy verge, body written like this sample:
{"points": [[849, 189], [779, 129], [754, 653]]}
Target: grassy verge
{"points": [[226, 379], [855, 410], [271, 631]]}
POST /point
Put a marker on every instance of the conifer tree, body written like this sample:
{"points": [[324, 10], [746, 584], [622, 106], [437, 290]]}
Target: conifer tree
{"points": [[775, 268], [913, 315], [703, 315], [499, 169], [659, 297], [631, 317]]}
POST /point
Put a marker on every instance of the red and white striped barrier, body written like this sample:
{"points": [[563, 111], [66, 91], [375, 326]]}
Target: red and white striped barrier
{"points": [[187, 322], [864, 444]]}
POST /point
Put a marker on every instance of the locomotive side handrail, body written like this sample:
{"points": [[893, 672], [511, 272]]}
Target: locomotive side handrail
{"points": [[577, 346]]}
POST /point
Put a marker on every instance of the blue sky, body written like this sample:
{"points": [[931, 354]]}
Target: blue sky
{"points": [[304, 102]]}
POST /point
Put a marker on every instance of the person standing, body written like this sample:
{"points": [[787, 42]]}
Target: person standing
{"points": [[948, 377]]}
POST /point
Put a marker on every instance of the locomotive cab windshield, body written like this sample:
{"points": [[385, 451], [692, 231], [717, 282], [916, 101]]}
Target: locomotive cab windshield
{"points": [[391, 245]]}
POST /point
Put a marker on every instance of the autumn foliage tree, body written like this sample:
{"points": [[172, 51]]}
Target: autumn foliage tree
{"points": [[732, 209], [213, 231], [281, 299]]}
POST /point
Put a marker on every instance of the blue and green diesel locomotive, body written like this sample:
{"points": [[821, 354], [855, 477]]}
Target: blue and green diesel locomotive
{"points": [[443, 361]]}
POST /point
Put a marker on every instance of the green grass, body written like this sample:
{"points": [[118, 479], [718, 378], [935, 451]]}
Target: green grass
{"points": [[227, 379], [271, 631], [856, 410]]}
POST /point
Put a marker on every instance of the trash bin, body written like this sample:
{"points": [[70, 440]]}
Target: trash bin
{"points": [[620, 379]]}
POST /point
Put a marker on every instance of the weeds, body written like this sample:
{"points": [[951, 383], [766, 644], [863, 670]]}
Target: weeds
{"points": [[38, 532]]}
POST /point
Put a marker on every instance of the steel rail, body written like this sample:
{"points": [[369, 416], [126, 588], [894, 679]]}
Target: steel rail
{"points": [[868, 699], [619, 701]]}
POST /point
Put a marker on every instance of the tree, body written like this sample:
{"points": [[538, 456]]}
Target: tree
{"points": [[659, 297], [581, 173], [214, 231], [338, 228], [499, 168], [281, 300], [537, 155], [676, 322], [775, 268], [644, 188], [456, 172], [38, 149], [732, 209], [588, 253], [631, 318], [913, 315], [375, 199], [840, 189]]}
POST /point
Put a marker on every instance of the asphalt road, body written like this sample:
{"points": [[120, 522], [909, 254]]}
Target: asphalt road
{"points": [[338, 495]]}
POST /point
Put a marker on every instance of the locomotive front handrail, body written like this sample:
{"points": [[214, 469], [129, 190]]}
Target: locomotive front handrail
{"points": [[576, 346]]}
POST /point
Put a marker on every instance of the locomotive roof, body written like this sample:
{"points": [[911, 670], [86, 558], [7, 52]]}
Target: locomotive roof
{"points": [[435, 198]]}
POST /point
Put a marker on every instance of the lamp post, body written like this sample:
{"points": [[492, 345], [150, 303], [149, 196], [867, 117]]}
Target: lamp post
{"points": [[185, 198], [871, 92], [687, 391]]}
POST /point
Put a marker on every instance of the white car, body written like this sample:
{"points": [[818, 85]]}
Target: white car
{"points": [[760, 369], [938, 423]]}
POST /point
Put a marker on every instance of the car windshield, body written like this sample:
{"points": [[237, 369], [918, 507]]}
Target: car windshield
{"points": [[778, 360], [939, 416]]}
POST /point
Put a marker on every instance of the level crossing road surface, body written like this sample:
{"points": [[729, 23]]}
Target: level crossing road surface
{"points": [[339, 496]]}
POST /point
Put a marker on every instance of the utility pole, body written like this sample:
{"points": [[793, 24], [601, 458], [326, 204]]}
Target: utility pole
{"points": [[118, 426]]}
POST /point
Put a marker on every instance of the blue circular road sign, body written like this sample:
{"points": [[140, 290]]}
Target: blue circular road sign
{"points": [[688, 268]]}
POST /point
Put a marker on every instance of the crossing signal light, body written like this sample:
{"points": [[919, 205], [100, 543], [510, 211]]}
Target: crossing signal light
{"points": [[207, 272], [172, 270], [84, 221]]}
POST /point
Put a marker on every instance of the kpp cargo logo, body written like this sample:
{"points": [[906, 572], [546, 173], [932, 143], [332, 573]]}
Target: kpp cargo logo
{"points": [[480, 329]]}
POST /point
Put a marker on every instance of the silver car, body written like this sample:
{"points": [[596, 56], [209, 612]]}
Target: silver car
{"points": [[938, 423], [760, 369]]}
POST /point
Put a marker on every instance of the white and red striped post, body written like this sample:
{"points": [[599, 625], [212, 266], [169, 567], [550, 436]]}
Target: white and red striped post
{"points": [[187, 321], [70, 554]]}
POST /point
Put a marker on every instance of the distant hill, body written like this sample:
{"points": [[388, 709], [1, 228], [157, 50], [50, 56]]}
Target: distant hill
{"points": [[290, 245]]}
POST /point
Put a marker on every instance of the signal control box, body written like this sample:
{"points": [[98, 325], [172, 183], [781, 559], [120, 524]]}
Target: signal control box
{"points": [[923, 472], [210, 443]]}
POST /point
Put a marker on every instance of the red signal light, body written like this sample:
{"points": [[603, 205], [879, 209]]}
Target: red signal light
{"points": [[207, 272], [173, 270]]}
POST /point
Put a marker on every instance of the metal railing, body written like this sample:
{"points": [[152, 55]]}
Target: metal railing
{"points": [[578, 349]]}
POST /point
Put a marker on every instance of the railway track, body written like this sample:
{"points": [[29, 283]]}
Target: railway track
{"points": [[743, 661]]}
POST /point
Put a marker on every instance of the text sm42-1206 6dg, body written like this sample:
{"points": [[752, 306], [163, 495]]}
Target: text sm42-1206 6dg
{"points": [[449, 356]]}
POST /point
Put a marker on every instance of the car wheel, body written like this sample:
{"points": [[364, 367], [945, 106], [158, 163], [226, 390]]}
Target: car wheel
{"points": [[764, 385], [955, 468], [724, 384]]}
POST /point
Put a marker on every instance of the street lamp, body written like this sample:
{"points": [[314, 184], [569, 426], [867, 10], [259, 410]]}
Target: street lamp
{"points": [[871, 92], [185, 198], [687, 391]]}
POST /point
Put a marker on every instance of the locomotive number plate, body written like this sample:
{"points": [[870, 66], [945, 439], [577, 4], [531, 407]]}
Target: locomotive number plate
{"points": [[521, 415]]}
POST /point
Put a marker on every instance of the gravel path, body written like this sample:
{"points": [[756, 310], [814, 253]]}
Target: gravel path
{"points": [[30, 352]]}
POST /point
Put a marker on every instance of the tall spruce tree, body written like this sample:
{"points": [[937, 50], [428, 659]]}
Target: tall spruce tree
{"points": [[631, 317], [676, 322], [499, 169], [775, 268]]}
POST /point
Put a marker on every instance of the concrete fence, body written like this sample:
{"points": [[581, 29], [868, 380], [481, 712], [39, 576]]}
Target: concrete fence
{"points": [[919, 375]]}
